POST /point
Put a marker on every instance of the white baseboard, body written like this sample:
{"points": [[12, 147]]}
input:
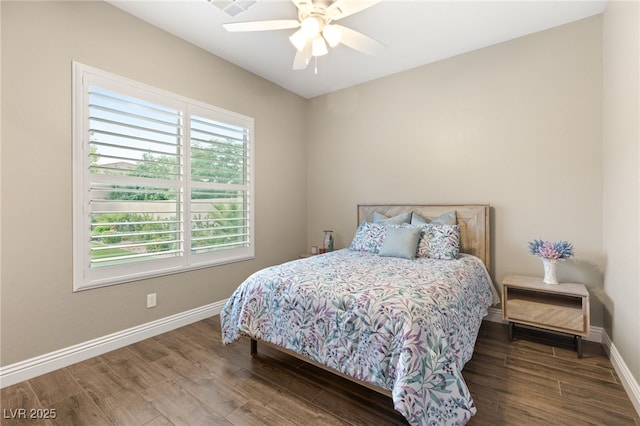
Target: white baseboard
{"points": [[629, 382], [599, 335], [30, 368]]}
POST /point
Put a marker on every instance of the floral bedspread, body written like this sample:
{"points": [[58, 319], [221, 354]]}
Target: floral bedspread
{"points": [[408, 326]]}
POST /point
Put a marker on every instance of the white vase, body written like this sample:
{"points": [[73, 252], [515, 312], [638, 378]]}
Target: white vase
{"points": [[549, 271]]}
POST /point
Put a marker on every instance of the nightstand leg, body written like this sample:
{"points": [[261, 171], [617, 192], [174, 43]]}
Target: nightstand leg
{"points": [[510, 331], [579, 345]]}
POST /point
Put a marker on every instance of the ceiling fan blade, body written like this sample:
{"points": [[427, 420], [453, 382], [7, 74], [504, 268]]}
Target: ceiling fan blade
{"points": [[302, 58], [360, 42], [343, 8], [278, 24]]}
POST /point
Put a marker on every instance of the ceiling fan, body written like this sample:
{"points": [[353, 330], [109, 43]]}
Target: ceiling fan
{"points": [[316, 29]]}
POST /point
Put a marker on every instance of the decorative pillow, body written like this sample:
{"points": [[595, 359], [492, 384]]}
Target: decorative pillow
{"points": [[448, 218], [378, 217], [440, 242], [401, 242], [368, 237]]}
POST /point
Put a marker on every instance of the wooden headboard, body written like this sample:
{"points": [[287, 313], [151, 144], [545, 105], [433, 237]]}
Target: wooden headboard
{"points": [[473, 220]]}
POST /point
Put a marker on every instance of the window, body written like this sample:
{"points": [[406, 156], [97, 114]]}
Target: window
{"points": [[162, 183]]}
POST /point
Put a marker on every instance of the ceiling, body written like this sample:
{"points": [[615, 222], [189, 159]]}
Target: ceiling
{"points": [[415, 33]]}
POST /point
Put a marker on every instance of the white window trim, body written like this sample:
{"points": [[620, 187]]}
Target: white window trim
{"points": [[83, 277]]}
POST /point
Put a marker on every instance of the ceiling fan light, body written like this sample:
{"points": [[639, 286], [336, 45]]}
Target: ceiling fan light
{"points": [[299, 40], [332, 34], [310, 27], [319, 46]]}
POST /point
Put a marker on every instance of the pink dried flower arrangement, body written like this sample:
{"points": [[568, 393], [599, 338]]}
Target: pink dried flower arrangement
{"points": [[551, 250]]}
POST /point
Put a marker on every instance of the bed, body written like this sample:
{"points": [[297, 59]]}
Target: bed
{"points": [[403, 325]]}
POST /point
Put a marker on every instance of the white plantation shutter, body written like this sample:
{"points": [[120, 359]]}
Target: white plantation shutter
{"points": [[162, 183], [135, 179], [220, 205]]}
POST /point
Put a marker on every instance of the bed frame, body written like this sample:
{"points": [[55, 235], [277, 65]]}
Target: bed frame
{"points": [[473, 220]]}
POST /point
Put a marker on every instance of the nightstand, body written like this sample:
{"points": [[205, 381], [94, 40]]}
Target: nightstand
{"points": [[560, 307]]}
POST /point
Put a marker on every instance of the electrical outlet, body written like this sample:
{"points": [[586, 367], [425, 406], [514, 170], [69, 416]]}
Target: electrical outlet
{"points": [[151, 300]]}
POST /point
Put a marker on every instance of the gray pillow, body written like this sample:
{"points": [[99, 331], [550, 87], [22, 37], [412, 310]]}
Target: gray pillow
{"points": [[401, 242], [448, 218], [378, 217]]}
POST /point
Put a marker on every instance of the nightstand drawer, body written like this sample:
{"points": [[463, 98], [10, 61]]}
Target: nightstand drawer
{"points": [[562, 315]]}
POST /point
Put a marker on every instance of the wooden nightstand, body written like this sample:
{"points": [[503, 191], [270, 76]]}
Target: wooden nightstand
{"points": [[560, 307]]}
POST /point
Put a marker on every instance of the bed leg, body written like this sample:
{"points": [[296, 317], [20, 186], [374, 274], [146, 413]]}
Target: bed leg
{"points": [[254, 347]]}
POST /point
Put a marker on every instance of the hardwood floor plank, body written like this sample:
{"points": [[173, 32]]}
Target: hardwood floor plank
{"points": [[128, 365], [187, 377], [295, 406], [207, 332], [20, 395], [557, 369], [186, 347], [352, 410], [179, 369], [510, 382], [55, 386], [313, 383], [113, 395], [180, 407], [560, 411], [496, 334], [159, 421], [84, 364], [79, 410], [592, 354], [202, 384], [615, 400], [254, 414], [149, 350], [526, 371], [284, 374], [18, 402], [486, 400]]}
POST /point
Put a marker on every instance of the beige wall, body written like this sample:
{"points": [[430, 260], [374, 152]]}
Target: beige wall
{"points": [[39, 312], [516, 125], [621, 195]]}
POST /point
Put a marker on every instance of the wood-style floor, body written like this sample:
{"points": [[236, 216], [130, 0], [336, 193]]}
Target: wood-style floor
{"points": [[187, 377]]}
